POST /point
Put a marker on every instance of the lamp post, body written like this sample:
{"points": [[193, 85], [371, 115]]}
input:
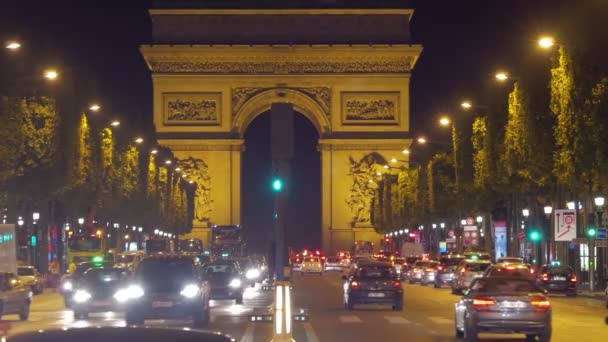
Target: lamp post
{"points": [[547, 253], [526, 213], [35, 239], [599, 202]]}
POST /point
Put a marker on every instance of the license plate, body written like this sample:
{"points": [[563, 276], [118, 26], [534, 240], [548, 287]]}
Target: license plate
{"points": [[559, 278], [102, 302], [514, 305], [375, 295], [162, 304]]}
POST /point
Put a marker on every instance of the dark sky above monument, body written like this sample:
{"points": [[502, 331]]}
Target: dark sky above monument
{"points": [[464, 43]]}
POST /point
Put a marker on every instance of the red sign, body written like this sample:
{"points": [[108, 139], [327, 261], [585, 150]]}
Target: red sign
{"points": [[470, 221]]}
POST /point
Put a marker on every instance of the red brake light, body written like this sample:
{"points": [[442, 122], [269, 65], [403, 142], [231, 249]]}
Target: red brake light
{"points": [[354, 284], [545, 276], [440, 268], [397, 283], [573, 278], [482, 302], [317, 252], [531, 271], [541, 303]]}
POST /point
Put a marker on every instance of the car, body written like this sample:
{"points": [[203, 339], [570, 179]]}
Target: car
{"points": [[466, 272], [407, 266], [429, 272], [511, 260], [312, 265], [503, 305], [477, 256], [15, 296], [129, 260], [166, 287], [70, 280], [29, 276], [561, 279], [252, 270], [332, 264], [446, 269], [225, 280], [398, 265], [508, 269], [296, 263], [373, 283], [415, 273], [345, 263], [97, 291]]}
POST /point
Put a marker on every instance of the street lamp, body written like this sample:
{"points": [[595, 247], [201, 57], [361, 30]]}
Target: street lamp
{"points": [[570, 205], [405, 151], [155, 151], [444, 121], [81, 221], [168, 162], [501, 76], [139, 140], [463, 222], [546, 42], [466, 105], [20, 221], [94, 107], [434, 226], [115, 123], [421, 140], [548, 210], [36, 216], [126, 236], [156, 231], [599, 201], [479, 219], [140, 229], [177, 169], [51, 74], [525, 212], [442, 225], [12, 45]]}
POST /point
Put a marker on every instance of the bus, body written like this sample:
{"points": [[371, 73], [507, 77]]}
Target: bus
{"points": [[227, 242], [156, 246], [86, 247], [362, 249], [192, 247]]}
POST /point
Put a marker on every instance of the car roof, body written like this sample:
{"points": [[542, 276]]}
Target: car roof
{"points": [[469, 261], [510, 264], [375, 263], [25, 266], [168, 258]]}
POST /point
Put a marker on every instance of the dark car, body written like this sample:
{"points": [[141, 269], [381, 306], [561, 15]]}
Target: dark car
{"points": [[446, 269], [503, 305], [166, 287], [557, 279], [225, 280], [373, 283], [509, 270], [70, 280], [97, 290], [15, 296], [120, 334]]}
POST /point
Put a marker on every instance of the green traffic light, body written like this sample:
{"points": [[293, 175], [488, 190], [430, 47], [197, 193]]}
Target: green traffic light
{"points": [[534, 235], [591, 232], [277, 185]]}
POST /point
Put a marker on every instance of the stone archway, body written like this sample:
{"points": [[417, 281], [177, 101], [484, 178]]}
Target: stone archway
{"points": [[208, 89]]}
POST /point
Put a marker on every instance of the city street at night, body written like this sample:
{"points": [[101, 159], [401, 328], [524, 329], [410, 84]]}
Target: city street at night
{"points": [[428, 315]]}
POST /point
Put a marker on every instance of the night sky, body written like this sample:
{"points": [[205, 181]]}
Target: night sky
{"points": [[464, 43]]}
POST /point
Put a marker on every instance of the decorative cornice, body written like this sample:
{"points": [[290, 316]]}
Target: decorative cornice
{"points": [[206, 145], [362, 144], [321, 95], [281, 59]]}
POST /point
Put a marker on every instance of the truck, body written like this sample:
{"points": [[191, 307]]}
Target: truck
{"points": [[8, 249], [158, 246], [362, 249], [192, 247], [227, 242]]}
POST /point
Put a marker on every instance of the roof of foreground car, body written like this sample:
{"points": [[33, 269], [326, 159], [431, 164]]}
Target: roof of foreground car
{"points": [[169, 257], [374, 263], [122, 334]]}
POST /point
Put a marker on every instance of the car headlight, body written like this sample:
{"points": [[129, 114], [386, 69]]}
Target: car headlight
{"points": [[121, 295], [253, 273], [68, 286], [81, 296], [235, 283], [135, 292], [190, 291]]}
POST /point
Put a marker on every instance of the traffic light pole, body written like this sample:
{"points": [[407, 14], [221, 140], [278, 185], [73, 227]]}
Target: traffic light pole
{"points": [[592, 263]]}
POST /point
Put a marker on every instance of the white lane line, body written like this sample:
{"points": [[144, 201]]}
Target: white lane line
{"points": [[440, 320], [311, 336], [396, 320], [350, 319], [248, 335]]}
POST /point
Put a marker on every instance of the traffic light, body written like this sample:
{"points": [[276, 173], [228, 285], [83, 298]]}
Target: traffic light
{"points": [[277, 184], [591, 231], [534, 235]]}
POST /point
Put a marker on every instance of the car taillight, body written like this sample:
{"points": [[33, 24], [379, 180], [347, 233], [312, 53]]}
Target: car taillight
{"points": [[354, 284], [482, 302], [397, 283], [573, 278], [540, 303], [439, 268], [545, 276], [429, 270], [531, 271]]}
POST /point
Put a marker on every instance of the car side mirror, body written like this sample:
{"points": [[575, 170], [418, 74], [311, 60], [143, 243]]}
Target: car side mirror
{"points": [[466, 291]]}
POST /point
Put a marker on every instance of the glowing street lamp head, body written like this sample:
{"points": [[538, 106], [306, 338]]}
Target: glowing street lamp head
{"points": [[168, 162], [94, 107], [115, 123], [139, 140], [51, 74], [13, 45], [421, 140], [177, 169], [405, 151], [501, 76], [191, 182], [546, 42], [393, 160], [155, 151], [444, 121], [466, 105]]}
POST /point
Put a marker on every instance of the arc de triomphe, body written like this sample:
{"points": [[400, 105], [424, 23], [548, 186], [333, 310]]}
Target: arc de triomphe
{"points": [[347, 70]]}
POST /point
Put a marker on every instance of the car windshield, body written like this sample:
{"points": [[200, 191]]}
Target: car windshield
{"points": [[165, 274], [477, 267], [82, 244], [334, 260], [422, 264], [450, 261], [96, 276], [25, 271], [219, 269], [502, 285], [376, 272], [311, 260], [559, 270], [126, 258]]}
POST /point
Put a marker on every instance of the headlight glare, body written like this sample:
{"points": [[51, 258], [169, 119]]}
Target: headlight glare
{"points": [[68, 286], [135, 291], [81, 296], [253, 273], [121, 295], [190, 291], [235, 283]]}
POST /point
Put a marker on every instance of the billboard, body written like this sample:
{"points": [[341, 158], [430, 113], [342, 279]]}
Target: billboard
{"points": [[500, 239], [564, 225]]}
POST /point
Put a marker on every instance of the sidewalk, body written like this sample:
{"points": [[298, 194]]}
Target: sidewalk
{"points": [[601, 295]]}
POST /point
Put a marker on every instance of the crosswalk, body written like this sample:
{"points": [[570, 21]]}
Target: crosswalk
{"points": [[393, 319]]}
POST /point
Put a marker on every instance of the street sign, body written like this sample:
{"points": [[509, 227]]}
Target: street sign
{"points": [[470, 221], [601, 234], [470, 236], [601, 243], [565, 225], [581, 241]]}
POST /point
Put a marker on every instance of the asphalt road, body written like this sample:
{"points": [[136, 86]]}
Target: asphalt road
{"points": [[427, 316]]}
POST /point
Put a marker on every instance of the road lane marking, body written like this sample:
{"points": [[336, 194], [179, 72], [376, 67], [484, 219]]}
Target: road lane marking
{"points": [[350, 319], [311, 336], [396, 320], [248, 335], [440, 320]]}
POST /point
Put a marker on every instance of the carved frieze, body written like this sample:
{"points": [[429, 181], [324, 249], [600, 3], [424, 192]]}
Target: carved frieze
{"points": [[370, 108], [363, 188], [192, 108], [321, 95], [198, 171], [240, 95]]}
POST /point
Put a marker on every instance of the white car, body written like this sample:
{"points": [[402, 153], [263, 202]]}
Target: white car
{"points": [[333, 264], [312, 265]]}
